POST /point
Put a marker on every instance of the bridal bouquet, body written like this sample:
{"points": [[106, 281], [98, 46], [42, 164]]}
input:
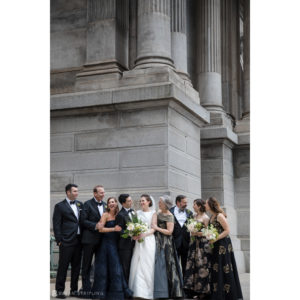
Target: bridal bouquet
{"points": [[135, 228], [211, 233], [193, 226]]}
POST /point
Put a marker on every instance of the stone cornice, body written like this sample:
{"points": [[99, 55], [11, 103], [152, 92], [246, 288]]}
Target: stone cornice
{"points": [[133, 94]]}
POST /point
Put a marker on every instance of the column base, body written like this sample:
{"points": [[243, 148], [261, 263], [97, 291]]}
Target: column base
{"points": [[153, 61]]}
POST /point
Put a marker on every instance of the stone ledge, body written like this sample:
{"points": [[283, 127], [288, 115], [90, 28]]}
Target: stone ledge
{"points": [[219, 133], [165, 91]]}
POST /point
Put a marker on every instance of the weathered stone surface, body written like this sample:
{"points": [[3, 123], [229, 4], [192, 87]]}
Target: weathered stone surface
{"points": [[85, 122], [143, 117], [62, 143], [123, 137], [181, 161], [123, 179], [244, 222], [60, 180], [85, 161], [184, 125], [193, 147], [177, 180], [67, 49], [177, 139], [143, 157]]}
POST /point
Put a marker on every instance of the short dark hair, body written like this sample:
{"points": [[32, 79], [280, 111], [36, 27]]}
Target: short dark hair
{"points": [[69, 186], [95, 189], [179, 198], [148, 198], [123, 197]]}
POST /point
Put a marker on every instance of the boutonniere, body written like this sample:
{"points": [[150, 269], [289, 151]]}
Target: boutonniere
{"points": [[78, 204], [105, 206], [133, 212]]}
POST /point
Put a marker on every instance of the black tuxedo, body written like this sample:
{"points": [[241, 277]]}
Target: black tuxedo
{"points": [[125, 246], [181, 238], [65, 226], [91, 239]]}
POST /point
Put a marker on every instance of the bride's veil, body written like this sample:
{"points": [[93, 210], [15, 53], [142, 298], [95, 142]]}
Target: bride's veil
{"points": [[153, 207]]}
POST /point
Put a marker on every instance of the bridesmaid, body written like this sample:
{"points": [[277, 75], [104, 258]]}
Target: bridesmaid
{"points": [[109, 280], [168, 281], [225, 283], [197, 273]]}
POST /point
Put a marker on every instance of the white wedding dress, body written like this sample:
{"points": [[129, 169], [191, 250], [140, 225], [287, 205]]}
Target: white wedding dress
{"points": [[141, 279]]}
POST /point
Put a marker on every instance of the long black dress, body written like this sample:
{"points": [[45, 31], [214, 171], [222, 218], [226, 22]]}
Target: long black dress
{"points": [[109, 281], [225, 283], [197, 272], [168, 281]]}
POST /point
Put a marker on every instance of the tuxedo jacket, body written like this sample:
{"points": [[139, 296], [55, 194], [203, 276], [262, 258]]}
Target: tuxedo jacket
{"points": [[65, 223], [121, 219], [180, 234], [89, 217]]}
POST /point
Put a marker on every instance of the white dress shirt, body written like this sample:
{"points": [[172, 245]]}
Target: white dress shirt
{"points": [[100, 207], [180, 215], [74, 208], [129, 213]]}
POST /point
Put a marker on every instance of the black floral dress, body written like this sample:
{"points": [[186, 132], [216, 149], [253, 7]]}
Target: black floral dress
{"points": [[197, 272], [225, 283]]}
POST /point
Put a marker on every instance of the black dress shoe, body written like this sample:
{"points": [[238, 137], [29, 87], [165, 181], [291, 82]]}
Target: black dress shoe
{"points": [[74, 294], [61, 295]]}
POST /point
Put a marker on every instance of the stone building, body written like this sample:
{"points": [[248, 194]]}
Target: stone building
{"points": [[153, 96]]}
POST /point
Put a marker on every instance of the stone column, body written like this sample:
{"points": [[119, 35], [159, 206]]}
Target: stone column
{"points": [[246, 51], [178, 37], [153, 34], [107, 37], [230, 56], [209, 50]]}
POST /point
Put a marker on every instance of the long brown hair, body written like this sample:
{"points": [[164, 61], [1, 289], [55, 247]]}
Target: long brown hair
{"points": [[117, 207], [214, 206]]}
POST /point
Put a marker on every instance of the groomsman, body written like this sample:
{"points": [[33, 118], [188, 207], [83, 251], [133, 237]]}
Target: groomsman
{"points": [[180, 233], [125, 246], [67, 231], [92, 212]]}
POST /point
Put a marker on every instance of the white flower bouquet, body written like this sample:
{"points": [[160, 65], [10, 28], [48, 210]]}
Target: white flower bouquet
{"points": [[135, 228], [193, 226], [210, 233]]}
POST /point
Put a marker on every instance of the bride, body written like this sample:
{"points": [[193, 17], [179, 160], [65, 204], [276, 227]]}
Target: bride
{"points": [[141, 279]]}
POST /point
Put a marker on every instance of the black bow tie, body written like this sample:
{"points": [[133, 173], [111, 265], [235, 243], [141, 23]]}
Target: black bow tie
{"points": [[99, 203], [72, 202]]}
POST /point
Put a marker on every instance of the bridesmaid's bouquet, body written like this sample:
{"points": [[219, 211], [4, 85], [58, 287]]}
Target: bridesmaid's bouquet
{"points": [[210, 233], [193, 227], [135, 228]]}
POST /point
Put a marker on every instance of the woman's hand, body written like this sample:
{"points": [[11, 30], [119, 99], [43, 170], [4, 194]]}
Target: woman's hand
{"points": [[199, 234], [142, 235], [99, 226], [135, 238], [212, 241], [153, 226], [118, 228]]}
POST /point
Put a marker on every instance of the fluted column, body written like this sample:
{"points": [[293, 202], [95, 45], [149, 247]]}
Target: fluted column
{"points": [[107, 37], [246, 58], [153, 33], [230, 56], [178, 37], [209, 50]]}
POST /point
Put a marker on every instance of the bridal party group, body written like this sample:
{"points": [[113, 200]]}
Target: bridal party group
{"points": [[166, 260]]}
